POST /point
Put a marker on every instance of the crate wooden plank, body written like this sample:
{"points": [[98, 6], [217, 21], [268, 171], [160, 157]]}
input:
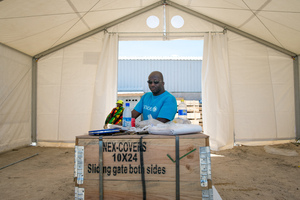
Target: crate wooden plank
{"points": [[189, 102], [117, 190], [192, 103]]}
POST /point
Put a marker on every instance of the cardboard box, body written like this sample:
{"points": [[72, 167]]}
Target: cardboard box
{"points": [[125, 157]]}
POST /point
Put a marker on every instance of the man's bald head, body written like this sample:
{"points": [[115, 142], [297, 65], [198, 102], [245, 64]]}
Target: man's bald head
{"points": [[156, 83], [157, 74]]}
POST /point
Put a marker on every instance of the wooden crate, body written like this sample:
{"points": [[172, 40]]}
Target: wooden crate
{"points": [[122, 166]]}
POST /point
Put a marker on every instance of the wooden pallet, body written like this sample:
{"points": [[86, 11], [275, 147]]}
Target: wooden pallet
{"points": [[194, 111]]}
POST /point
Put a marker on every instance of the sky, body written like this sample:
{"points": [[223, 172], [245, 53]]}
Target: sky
{"points": [[191, 48]]}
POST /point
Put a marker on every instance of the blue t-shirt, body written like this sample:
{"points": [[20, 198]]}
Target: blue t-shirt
{"points": [[161, 106]]}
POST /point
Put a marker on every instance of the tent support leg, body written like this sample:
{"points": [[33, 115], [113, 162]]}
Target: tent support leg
{"points": [[33, 100], [297, 95]]}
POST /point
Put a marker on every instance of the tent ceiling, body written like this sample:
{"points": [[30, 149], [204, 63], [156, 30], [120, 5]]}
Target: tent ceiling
{"points": [[33, 26]]}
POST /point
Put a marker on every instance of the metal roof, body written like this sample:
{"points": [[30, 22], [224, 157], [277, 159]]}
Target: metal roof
{"points": [[181, 74]]}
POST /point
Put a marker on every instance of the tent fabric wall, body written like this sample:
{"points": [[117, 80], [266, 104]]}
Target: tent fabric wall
{"points": [[251, 98], [66, 82], [193, 27], [72, 83], [262, 92], [217, 103], [77, 88], [106, 84], [263, 84], [131, 27], [15, 99]]}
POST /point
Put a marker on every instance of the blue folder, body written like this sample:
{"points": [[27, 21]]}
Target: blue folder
{"points": [[104, 131]]}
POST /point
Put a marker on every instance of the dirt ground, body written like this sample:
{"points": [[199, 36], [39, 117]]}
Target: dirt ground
{"points": [[258, 172], [243, 173]]}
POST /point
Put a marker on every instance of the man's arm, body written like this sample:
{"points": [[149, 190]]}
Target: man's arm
{"points": [[135, 114], [163, 120]]}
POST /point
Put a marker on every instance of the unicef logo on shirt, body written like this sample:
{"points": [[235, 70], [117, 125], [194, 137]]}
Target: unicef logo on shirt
{"points": [[151, 109], [154, 109]]}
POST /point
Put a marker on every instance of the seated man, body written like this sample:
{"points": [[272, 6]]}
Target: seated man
{"points": [[159, 103]]}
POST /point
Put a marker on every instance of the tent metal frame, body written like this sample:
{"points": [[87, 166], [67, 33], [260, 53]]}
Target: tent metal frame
{"points": [[184, 9], [174, 5], [99, 29], [34, 101], [230, 28], [297, 95], [14, 49]]}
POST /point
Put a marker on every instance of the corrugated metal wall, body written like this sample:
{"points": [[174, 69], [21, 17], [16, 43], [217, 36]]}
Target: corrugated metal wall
{"points": [[180, 74]]}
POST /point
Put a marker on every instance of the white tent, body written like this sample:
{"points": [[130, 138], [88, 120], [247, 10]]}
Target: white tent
{"points": [[58, 65]]}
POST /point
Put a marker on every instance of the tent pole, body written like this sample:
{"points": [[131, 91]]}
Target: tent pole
{"points": [[230, 28], [33, 100], [297, 95]]}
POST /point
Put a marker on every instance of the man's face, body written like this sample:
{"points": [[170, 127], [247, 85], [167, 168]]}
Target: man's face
{"points": [[156, 85]]}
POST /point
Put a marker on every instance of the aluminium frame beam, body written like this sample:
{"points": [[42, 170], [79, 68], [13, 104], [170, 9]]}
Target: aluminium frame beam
{"points": [[297, 95], [34, 100]]}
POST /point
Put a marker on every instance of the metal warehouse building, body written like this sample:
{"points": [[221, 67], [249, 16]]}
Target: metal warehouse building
{"points": [[182, 75]]}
